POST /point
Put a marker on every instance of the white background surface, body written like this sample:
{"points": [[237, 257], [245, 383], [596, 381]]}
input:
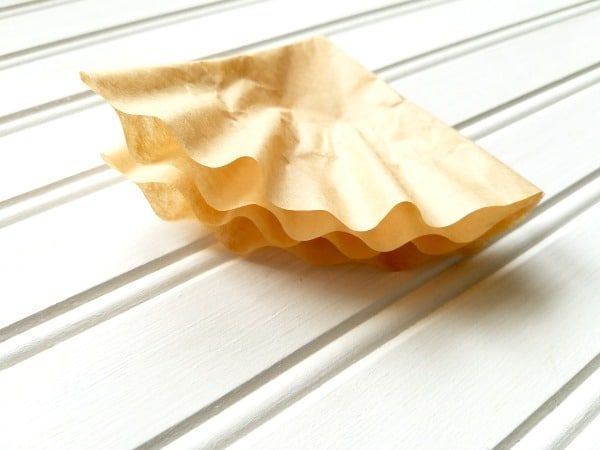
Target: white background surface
{"points": [[118, 330]]}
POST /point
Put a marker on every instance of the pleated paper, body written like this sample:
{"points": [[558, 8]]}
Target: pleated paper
{"points": [[300, 147]]}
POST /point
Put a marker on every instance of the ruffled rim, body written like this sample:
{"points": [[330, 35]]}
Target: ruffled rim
{"points": [[160, 181]]}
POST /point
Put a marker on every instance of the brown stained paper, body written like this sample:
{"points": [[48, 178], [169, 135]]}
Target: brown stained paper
{"points": [[300, 147]]}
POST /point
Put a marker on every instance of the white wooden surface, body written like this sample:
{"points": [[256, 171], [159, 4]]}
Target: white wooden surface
{"points": [[118, 330]]}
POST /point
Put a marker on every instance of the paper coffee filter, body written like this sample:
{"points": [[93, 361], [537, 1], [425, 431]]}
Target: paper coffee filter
{"points": [[311, 152]]}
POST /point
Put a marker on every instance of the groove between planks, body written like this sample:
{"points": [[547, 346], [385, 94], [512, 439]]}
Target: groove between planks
{"points": [[45, 50], [26, 7], [588, 438], [145, 290], [563, 416], [423, 61]]}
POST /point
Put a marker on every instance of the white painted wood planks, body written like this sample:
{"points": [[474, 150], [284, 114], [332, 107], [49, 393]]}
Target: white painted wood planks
{"points": [[180, 343]]}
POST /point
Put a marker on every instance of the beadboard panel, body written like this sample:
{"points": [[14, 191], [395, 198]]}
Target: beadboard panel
{"points": [[119, 330], [234, 310]]}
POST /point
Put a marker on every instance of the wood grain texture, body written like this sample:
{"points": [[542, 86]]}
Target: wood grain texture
{"points": [[120, 330]]}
